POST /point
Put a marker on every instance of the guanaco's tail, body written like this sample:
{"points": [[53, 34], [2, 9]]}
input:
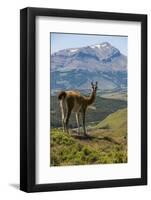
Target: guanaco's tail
{"points": [[61, 95]]}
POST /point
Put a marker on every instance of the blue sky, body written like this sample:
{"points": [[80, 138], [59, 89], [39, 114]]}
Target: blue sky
{"points": [[61, 41]]}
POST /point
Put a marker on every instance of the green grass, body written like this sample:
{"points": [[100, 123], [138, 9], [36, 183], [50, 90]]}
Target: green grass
{"points": [[107, 143], [117, 122]]}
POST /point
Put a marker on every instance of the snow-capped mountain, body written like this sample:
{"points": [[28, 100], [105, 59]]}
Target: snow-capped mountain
{"points": [[75, 68]]}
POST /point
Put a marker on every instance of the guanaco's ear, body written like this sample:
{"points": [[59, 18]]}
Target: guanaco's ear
{"points": [[92, 84], [96, 83]]}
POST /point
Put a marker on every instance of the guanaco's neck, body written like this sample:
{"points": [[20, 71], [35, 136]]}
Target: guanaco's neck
{"points": [[91, 98]]}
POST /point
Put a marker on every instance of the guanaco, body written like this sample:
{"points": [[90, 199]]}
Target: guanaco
{"points": [[73, 101]]}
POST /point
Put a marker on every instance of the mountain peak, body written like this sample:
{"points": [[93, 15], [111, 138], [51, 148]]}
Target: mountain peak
{"points": [[76, 67], [102, 45]]}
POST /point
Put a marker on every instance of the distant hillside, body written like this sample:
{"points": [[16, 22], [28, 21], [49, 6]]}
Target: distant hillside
{"points": [[76, 68]]}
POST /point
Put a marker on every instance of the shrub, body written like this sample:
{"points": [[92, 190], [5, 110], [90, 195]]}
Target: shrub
{"points": [[66, 150]]}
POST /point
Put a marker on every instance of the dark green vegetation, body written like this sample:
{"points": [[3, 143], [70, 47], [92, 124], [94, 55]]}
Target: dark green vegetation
{"points": [[107, 142], [103, 106]]}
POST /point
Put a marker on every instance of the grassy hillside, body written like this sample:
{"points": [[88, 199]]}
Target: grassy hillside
{"points": [[107, 143], [117, 122]]}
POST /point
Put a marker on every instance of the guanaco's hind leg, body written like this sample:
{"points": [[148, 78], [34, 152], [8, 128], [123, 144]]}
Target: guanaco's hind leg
{"points": [[70, 105], [62, 114], [78, 124]]}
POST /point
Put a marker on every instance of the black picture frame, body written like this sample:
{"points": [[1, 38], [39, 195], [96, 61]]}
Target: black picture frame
{"points": [[28, 99]]}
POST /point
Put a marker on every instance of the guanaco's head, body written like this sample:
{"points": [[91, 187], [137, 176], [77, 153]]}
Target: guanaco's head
{"points": [[94, 86]]}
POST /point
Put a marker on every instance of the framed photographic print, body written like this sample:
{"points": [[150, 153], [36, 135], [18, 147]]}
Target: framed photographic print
{"points": [[83, 99]]}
